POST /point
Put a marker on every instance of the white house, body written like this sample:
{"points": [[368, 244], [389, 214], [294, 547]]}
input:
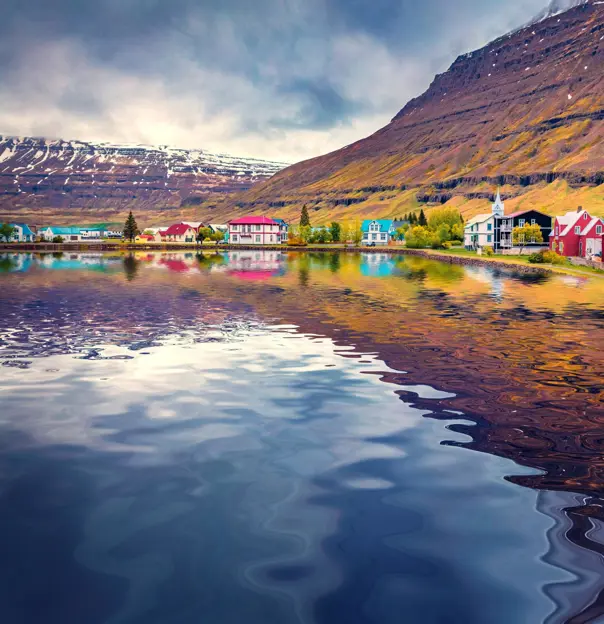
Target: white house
{"points": [[479, 231], [377, 231], [68, 234], [21, 233], [254, 231]]}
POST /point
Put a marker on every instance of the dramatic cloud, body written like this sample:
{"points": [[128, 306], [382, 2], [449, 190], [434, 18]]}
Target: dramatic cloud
{"points": [[282, 79]]}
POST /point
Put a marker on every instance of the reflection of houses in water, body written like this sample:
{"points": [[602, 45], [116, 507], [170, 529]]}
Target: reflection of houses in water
{"points": [[255, 265], [15, 262], [487, 276], [377, 265], [575, 600]]}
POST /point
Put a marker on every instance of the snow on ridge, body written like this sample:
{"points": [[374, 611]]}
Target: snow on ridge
{"points": [[555, 7]]}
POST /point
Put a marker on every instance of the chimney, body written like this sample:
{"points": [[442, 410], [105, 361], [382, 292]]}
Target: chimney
{"points": [[580, 208]]}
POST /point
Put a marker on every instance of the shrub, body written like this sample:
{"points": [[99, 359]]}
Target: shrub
{"points": [[446, 245], [488, 251], [419, 237], [57, 239], [551, 257], [536, 258]]}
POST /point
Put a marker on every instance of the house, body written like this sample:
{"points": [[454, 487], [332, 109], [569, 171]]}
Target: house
{"points": [[479, 232], [283, 230], [180, 233], [575, 234], [145, 238], [22, 233], [591, 238], [113, 233], [92, 233], [196, 225], [68, 234], [483, 229], [505, 226], [377, 231], [254, 231]]}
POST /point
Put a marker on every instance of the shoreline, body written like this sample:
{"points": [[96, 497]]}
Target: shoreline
{"points": [[497, 262]]}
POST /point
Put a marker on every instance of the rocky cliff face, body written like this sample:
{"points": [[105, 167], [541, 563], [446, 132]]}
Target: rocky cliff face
{"points": [[527, 109], [84, 180]]}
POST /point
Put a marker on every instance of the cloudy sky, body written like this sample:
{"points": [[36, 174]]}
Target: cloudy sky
{"points": [[277, 79]]}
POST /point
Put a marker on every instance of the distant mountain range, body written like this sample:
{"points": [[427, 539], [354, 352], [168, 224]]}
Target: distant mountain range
{"points": [[526, 112], [83, 179]]}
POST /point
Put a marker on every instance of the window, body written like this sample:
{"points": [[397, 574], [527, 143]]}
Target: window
{"points": [[577, 229], [533, 221], [598, 229], [234, 238], [234, 228], [374, 237], [257, 228], [489, 238], [521, 222], [489, 227], [272, 239], [383, 236], [585, 216], [257, 238], [556, 230]]}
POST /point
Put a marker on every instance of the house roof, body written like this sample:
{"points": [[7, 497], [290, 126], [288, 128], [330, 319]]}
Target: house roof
{"points": [[251, 220], [569, 220], [385, 224], [593, 222], [519, 213], [280, 221], [26, 229], [481, 218], [178, 229], [194, 224], [69, 231]]}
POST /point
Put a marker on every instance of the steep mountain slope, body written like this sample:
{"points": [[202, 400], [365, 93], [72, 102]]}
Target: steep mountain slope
{"points": [[523, 112], [83, 180]]}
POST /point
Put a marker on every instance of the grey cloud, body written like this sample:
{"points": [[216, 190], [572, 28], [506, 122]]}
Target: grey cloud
{"points": [[286, 78]]}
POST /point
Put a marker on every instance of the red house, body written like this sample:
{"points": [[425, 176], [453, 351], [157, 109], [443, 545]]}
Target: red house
{"points": [[577, 234]]}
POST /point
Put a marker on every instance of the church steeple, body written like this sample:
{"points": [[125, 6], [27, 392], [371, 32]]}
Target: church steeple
{"points": [[498, 207]]}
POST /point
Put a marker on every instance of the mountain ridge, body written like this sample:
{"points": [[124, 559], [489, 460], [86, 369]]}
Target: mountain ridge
{"points": [[88, 179], [525, 110]]}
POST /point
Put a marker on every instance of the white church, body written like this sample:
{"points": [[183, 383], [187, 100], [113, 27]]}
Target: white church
{"points": [[479, 231]]}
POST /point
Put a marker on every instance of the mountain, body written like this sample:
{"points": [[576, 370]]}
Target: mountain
{"points": [[78, 180], [525, 112]]}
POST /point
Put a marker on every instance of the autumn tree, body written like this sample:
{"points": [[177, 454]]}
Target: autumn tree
{"points": [[527, 234], [131, 230]]}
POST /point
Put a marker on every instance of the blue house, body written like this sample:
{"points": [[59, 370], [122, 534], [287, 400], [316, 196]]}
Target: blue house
{"points": [[283, 230], [377, 231], [22, 233]]}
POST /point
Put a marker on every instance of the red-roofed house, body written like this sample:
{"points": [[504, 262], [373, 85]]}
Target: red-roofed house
{"points": [[254, 231], [576, 234], [179, 233]]}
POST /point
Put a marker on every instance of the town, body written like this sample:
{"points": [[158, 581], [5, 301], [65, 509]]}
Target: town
{"points": [[574, 235]]}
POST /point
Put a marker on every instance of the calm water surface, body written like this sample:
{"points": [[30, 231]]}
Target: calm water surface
{"points": [[263, 437]]}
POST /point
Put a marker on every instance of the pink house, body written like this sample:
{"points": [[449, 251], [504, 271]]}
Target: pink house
{"points": [[577, 234], [254, 231]]}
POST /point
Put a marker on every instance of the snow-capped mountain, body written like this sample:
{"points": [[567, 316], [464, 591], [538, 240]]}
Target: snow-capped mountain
{"points": [[38, 172], [556, 7]]}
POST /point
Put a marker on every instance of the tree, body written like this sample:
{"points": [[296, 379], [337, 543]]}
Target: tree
{"points": [[336, 231], [420, 237], [448, 216], [304, 218], [412, 218], [218, 236], [203, 233], [6, 231], [457, 232], [305, 233], [422, 219], [357, 233], [526, 234], [131, 230]]}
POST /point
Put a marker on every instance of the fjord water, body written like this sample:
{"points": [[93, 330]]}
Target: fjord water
{"points": [[268, 437]]}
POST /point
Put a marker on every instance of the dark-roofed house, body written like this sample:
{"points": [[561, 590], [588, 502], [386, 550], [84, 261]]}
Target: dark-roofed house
{"points": [[504, 242], [180, 233]]}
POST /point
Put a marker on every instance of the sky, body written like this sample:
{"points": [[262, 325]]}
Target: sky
{"points": [[284, 80]]}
